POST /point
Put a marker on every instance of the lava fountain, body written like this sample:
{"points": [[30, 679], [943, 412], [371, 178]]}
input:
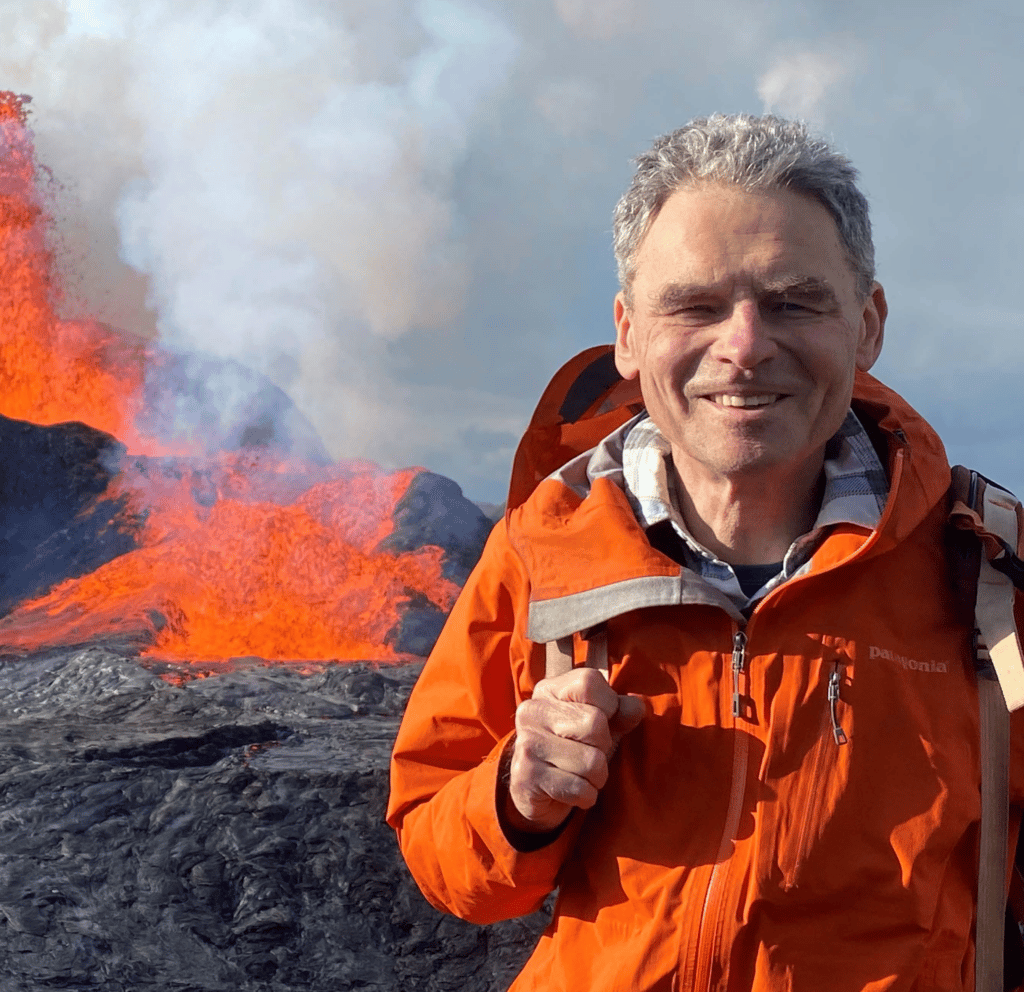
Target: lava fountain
{"points": [[225, 554]]}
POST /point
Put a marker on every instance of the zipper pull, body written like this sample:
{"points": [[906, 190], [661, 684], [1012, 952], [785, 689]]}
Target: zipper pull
{"points": [[739, 646], [834, 681]]}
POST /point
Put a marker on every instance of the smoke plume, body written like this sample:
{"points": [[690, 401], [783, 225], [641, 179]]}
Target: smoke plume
{"points": [[275, 175]]}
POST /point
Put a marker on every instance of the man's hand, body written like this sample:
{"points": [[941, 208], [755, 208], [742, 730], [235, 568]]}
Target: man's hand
{"points": [[565, 735]]}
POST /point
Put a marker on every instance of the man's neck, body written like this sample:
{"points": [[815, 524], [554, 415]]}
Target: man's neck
{"points": [[750, 519]]}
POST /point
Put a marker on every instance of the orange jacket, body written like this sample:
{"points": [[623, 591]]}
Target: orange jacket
{"points": [[745, 853]]}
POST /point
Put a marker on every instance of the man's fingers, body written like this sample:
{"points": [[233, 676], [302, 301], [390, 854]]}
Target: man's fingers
{"points": [[565, 735], [567, 789], [582, 706], [581, 685], [549, 776], [565, 720], [631, 712], [541, 754]]}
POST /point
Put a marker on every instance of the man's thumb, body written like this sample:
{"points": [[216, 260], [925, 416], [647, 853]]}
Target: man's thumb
{"points": [[632, 710]]}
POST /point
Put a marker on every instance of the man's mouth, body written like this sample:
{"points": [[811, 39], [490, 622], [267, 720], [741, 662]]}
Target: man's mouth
{"points": [[732, 399]]}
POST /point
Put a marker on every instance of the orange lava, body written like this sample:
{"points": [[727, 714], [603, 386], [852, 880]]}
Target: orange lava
{"points": [[244, 577], [239, 556], [53, 371]]}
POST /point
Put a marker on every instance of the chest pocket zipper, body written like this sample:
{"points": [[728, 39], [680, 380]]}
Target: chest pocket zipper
{"points": [[810, 795], [835, 680]]}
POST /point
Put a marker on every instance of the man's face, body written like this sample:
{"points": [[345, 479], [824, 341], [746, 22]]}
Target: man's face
{"points": [[745, 329]]}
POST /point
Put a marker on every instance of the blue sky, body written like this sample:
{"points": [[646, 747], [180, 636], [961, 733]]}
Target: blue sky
{"points": [[400, 210]]}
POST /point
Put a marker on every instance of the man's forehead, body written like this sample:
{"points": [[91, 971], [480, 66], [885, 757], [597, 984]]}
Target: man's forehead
{"points": [[690, 208], [778, 240]]}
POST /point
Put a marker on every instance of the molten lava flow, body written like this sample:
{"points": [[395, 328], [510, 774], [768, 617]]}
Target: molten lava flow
{"points": [[237, 556], [52, 371], [223, 573]]}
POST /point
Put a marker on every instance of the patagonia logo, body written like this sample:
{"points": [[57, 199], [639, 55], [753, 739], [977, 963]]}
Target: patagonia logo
{"points": [[910, 664]]}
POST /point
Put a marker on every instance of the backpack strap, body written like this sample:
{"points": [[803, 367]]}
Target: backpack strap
{"points": [[993, 516], [560, 654], [994, 840], [558, 657]]}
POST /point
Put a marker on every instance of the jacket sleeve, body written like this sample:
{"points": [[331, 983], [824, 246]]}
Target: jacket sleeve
{"points": [[445, 764]]}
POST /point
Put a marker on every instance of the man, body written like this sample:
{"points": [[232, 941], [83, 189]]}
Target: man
{"points": [[777, 787]]}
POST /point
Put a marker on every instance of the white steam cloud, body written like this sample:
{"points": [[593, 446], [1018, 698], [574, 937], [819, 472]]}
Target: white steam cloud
{"points": [[801, 84], [280, 172], [601, 20]]}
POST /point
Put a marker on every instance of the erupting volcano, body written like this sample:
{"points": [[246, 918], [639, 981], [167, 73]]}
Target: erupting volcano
{"points": [[165, 831], [218, 539]]}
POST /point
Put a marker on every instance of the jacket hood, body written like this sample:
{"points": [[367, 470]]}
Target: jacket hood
{"points": [[922, 479], [578, 515]]}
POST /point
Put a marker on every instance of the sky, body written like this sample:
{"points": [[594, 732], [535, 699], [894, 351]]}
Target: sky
{"points": [[400, 210]]}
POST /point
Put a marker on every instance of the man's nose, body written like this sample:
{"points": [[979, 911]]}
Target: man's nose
{"points": [[743, 339]]}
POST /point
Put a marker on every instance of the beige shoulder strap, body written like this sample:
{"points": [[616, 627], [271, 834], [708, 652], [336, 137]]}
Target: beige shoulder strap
{"points": [[996, 593], [994, 517], [559, 655], [994, 618]]}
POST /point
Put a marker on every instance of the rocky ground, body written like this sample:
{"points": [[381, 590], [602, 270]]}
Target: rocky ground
{"points": [[219, 833]]}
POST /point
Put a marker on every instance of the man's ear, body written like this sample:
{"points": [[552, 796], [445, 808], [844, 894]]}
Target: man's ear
{"points": [[626, 359], [872, 328]]}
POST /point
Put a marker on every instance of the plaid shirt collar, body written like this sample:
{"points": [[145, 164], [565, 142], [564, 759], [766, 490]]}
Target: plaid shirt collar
{"points": [[856, 488]]}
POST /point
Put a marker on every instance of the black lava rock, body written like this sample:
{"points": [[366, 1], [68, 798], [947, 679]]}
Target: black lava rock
{"points": [[220, 833], [419, 626], [55, 522], [434, 511]]}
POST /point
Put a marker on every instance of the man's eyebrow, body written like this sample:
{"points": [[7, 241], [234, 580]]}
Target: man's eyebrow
{"points": [[806, 287], [675, 295]]}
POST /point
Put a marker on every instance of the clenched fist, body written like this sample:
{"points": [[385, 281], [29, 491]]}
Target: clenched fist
{"points": [[565, 735]]}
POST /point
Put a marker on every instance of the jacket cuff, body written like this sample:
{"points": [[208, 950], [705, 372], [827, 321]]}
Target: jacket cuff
{"points": [[527, 859]]}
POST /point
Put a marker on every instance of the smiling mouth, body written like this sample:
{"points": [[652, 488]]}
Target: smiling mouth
{"points": [[733, 400]]}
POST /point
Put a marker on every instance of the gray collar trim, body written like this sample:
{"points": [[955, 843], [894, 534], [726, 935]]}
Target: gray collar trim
{"points": [[551, 619]]}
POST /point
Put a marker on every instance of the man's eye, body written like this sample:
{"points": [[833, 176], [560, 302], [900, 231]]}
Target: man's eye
{"points": [[699, 311], [790, 306]]}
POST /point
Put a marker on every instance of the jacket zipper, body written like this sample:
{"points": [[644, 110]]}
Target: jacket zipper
{"points": [[711, 910], [739, 648], [709, 930], [834, 681], [708, 933]]}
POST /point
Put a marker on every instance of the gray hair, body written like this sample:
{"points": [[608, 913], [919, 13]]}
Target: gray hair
{"points": [[753, 153]]}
